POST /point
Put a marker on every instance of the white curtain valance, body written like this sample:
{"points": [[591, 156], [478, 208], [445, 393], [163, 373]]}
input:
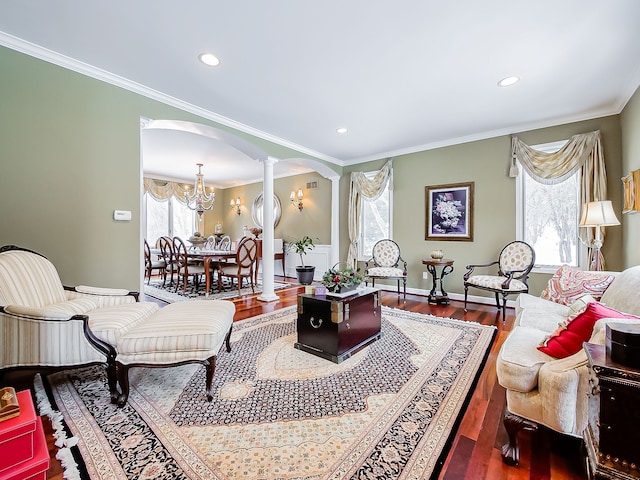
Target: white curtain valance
{"points": [[362, 186], [583, 151], [164, 190]]}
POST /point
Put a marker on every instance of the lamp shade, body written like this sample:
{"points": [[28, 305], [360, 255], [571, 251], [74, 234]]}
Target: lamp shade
{"points": [[598, 214]]}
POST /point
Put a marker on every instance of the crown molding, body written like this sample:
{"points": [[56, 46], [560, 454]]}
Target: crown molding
{"points": [[69, 63]]}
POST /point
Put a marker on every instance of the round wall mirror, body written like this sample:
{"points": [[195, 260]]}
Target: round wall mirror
{"points": [[257, 213]]}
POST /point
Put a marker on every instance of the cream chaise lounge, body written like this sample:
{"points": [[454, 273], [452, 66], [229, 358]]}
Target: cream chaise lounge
{"points": [[44, 324]]}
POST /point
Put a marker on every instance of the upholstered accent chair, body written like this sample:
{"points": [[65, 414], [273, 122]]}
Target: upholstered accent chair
{"points": [[44, 324], [386, 262], [244, 264], [514, 265]]}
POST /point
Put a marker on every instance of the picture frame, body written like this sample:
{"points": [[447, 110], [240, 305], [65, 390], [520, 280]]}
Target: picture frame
{"points": [[631, 192], [449, 212]]}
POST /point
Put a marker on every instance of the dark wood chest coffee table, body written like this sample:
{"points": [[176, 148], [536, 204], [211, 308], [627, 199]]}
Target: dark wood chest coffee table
{"points": [[335, 328]]}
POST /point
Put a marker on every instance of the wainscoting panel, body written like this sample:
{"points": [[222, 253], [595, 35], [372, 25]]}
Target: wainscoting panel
{"points": [[319, 257]]}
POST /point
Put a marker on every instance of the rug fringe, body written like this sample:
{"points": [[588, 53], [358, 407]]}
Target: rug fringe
{"points": [[63, 443]]}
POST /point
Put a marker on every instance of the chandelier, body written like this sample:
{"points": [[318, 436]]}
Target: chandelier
{"points": [[198, 199]]}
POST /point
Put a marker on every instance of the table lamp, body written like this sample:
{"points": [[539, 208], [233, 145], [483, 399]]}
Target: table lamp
{"points": [[598, 214]]}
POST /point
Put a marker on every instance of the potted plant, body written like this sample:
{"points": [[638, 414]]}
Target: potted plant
{"points": [[342, 279], [304, 272]]}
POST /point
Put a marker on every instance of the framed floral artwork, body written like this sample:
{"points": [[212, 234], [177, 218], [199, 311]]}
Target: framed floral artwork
{"points": [[449, 210]]}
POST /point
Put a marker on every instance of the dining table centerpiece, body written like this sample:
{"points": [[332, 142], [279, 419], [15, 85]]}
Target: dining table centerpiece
{"points": [[342, 279]]}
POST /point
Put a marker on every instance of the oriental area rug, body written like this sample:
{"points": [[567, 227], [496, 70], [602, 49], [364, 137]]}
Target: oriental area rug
{"points": [[168, 292], [390, 411]]}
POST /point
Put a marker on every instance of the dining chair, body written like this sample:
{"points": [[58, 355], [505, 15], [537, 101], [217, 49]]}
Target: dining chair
{"points": [[185, 268], [244, 264], [150, 264], [225, 243], [168, 255], [514, 264]]}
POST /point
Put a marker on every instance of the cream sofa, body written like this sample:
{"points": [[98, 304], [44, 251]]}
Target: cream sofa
{"points": [[543, 390], [45, 324]]}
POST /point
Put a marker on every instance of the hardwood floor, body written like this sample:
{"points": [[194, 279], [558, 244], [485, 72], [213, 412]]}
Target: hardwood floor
{"points": [[475, 450]]}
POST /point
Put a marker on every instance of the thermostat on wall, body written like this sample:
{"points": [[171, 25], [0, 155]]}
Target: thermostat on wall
{"points": [[121, 215]]}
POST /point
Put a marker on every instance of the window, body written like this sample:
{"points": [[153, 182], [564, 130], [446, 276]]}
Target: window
{"points": [[375, 221], [168, 217], [547, 217]]}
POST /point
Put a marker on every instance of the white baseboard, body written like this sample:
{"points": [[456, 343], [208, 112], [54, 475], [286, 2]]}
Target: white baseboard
{"points": [[452, 296]]}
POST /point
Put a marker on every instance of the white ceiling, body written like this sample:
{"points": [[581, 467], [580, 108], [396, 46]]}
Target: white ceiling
{"points": [[403, 76]]}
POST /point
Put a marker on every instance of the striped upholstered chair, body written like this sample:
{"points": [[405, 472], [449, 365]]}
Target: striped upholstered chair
{"points": [[45, 324]]}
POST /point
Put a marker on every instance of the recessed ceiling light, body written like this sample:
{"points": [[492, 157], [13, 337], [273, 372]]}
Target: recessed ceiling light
{"points": [[209, 59], [508, 81], [342, 130]]}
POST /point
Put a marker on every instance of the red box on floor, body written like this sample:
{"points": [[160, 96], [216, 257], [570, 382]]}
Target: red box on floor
{"points": [[16, 434], [36, 467]]}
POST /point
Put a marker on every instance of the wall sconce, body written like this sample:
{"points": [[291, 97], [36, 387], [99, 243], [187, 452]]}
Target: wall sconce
{"points": [[235, 205], [296, 200]]}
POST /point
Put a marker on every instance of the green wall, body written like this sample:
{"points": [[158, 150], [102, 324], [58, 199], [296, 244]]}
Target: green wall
{"points": [[72, 145], [314, 219], [630, 123], [485, 162], [70, 153]]}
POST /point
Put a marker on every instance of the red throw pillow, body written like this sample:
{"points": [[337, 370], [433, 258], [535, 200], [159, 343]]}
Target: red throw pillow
{"points": [[570, 336]]}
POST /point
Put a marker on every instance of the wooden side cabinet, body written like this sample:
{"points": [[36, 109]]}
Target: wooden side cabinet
{"points": [[612, 437], [335, 328]]}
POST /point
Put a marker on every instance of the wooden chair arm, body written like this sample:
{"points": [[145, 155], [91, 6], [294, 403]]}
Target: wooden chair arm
{"points": [[471, 267]]}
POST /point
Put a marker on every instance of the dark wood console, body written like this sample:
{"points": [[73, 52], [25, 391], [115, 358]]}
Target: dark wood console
{"points": [[335, 328], [612, 437]]}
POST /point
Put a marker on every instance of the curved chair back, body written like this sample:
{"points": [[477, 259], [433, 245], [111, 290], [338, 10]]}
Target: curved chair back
{"points": [[246, 253], [166, 247], [386, 253], [517, 256], [225, 243], [180, 252], [147, 255]]}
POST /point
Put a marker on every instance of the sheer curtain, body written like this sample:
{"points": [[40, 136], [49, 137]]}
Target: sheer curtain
{"points": [[583, 151], [369, 188]]}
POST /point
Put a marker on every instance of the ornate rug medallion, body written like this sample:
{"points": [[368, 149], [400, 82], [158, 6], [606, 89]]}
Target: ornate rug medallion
{"points": [[280, 413]]}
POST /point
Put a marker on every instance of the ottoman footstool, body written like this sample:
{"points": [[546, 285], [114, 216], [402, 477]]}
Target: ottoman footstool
{"points": [[180, 333]]}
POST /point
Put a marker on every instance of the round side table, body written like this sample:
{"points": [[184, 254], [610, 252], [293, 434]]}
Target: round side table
{"points": [[446, 266]]}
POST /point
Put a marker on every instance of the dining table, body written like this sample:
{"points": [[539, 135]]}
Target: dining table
{"points": [[208, 256]]}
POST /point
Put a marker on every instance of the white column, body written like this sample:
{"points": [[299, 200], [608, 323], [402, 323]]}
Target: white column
{"points": [[335, 220], [268, 294]]}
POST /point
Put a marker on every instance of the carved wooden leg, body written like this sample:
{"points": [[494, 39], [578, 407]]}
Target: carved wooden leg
{"points": [[210, 363], [123, 379], [228, 339], [112, 378], [504, 307], [513, 424], [466, 291]]}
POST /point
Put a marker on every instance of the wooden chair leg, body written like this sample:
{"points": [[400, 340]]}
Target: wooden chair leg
{"points": [[504, 307], [210, 364], [123, 379], [228, 339], [466, 291]]}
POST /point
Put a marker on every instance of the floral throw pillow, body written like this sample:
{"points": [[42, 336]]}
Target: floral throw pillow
{"points": [[570, 283], [571, 334]]}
